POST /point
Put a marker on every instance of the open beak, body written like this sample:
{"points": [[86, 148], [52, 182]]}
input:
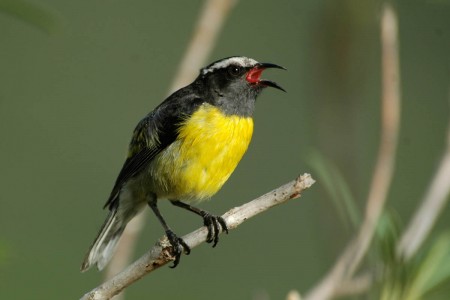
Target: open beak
{"points": [[253, 76]]}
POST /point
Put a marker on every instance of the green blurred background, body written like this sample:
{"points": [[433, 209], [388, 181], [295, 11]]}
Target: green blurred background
{"points": [[76, 76]]}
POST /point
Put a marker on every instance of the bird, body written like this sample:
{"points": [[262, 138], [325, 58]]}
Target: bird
{"points": [[184, 151]]}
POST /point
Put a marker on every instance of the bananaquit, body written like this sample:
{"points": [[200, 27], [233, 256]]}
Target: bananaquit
{"points": [[185, 150]]}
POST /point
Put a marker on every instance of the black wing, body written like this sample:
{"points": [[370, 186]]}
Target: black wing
{"points": [[153, 134], [140, 153]]}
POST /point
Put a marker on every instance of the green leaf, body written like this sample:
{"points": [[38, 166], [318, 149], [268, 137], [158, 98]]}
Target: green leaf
{"points": [[387, 234], [337, 188], [433, 270], [34, 14]]}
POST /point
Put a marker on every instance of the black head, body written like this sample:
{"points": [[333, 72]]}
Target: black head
{"points": [[235, 82]]}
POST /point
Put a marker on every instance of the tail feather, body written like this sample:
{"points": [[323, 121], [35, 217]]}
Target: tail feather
{"points": [[104, 245]]}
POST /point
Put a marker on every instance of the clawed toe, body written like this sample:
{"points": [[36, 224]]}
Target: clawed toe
{"points": [[178, 247], [214, 224]]}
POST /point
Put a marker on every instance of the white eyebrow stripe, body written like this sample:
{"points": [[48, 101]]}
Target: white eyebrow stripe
{"points": [[237, 60]]}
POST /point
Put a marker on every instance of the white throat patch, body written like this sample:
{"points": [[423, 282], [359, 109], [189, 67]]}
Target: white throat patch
{"points": [[235, 60]]}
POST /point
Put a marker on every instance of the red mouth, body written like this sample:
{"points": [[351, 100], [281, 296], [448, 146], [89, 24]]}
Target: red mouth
{"points": [[253, 75]]}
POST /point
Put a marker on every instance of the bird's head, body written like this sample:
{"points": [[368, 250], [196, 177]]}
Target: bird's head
{"points": [[235, 82]]}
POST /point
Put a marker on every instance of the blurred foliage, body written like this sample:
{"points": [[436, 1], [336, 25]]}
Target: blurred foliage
{"points": [[337, 188], [418, 278], [38, 15], [386, 237], [433, 270]]}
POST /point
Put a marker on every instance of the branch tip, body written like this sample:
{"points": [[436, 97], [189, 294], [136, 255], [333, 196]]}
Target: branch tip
{"points": [[302, 183]]}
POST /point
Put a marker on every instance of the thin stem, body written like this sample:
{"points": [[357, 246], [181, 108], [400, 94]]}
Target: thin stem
{"points": [[432, 205], [350, 259], [209, 25]]}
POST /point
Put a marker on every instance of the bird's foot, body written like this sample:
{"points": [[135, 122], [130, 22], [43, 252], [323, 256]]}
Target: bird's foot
{"points": [[178, 247], [214, 224]]}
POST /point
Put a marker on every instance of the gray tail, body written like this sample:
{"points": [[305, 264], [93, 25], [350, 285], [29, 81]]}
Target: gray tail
{"points": [[104, 245]]}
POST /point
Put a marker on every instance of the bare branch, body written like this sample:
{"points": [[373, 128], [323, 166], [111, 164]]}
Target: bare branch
{"points": [[350, 259], [355, 286], [428, 212], [160, 254]]}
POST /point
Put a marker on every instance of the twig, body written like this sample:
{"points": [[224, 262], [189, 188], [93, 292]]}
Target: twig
{"points": [[160, 254], [428, 212], [355, 286], [205, 34], [347, 263], [293, 295]]}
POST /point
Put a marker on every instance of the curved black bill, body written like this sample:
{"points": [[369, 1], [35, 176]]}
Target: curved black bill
{"points": [[270, 66], [268, 82], [271, 84]]}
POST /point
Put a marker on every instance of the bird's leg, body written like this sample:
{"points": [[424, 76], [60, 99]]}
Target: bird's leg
{"points": [[177, 243], [212, 222]]}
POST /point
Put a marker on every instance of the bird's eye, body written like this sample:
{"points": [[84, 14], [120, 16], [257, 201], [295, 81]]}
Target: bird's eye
{"points": [[235, 70]]}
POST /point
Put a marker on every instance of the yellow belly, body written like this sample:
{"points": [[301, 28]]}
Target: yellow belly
{"points": [[197, 164]]}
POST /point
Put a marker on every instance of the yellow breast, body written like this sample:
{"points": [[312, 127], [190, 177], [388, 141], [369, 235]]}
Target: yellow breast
{"points": [[208, 149]]}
